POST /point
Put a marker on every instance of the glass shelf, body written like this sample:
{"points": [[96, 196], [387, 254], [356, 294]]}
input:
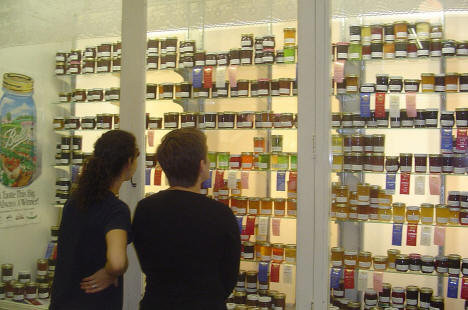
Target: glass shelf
{"points": [[65, 131], [410, 273], [412, 173], [391, 223], [403, 93], [227, 170], [220, 98], [393, 61], [339, 130], [117, 103], [270, 262]]}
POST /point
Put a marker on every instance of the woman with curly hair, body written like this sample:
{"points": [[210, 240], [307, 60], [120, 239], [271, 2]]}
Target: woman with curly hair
{"points": [[95, 229]]}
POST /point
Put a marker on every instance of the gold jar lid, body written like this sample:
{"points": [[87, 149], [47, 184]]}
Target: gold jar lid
{"points": [[380, 259]]}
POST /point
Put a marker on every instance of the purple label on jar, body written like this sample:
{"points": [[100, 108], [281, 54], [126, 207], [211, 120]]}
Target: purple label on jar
{"points": [[365, 105]]}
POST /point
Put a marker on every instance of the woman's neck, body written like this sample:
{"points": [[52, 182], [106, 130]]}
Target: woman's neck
{"points": [[115, 187], [194, 189]]}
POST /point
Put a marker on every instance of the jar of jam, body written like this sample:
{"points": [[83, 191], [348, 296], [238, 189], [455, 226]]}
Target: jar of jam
{"points": [[437, 303], [462, 117], [263, 87], [415, 262], [427, 264], [350, 259], [72, 123], [406, 162], [401, 49], [412, 295], [431, 118], [464, 267], [171, 120], [447, 119], [382, 81], [449, 47], [79, 95], [401, 29], [398, 296], [428, 82], [441, 264], [435, 47], [385, 294], [395, 84], [391, 164], [376, 49], [440, 83], [423, 48], [370, 298], [442, 214], [454, 261], [411, 85], [103, 64], [462, 48], [435, 163], [402, 263], [425, 297]]}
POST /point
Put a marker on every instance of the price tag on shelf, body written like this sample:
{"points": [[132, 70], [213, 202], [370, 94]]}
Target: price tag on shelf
{"points": [[390, 181], [362, 280], [404, 183], [250, 225], [335, 277], [232, 73], [147, 176], [276, 226], [150, 137], [439, 236], [275, 273], [220, 76], [426, 235], [380, 105], [287, 273], [411, 235], [434, 184], [208, 77], [397, 234], [365, 105], [349, 278], [411, 105], [338, 71], [464, 290], [232, 180], [197, 74], [446, 140], [378, 280], [461, 140], [244, 180], [395, 106], [281, 181], [420, 185], [207, 183], [452, 287]]}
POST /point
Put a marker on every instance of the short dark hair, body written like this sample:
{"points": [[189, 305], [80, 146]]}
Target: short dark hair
{"points": [[179, 155]]}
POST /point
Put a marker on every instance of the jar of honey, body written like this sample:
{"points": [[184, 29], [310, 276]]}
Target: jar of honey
{"points": [[342, 194], [412, 214], [265, 251], [363, 192], [337, 257], [277, 252], [350, 259], [427, 213], [365, 260], [392, 254], [454, 214], [385, 213], [380, 263], [254, 205], [384, 198], [292, 208], [442, 214], [399, 210], [280, 206], [427, 82], [352, 83], [266, 206], [290, 253], [341, 211]]}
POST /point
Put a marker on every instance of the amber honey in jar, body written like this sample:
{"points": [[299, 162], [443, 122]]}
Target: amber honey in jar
{"points": [[291, 204], [352, 83], [342, 193], [385, 213], [364, 260], [290, 253], [399, 211], [427, 82], [392, 254], [413, 214], [266, 206], [350, 259], [380, 263], [337, 256], [442, 214], [427, 213], [363, 192], [280, 206]]}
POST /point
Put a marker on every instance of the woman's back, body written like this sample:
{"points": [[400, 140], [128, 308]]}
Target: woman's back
{"points": [[82, 251]]}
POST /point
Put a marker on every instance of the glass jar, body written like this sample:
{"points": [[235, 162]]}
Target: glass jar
{"points": [[414, 262], [451, 82], [401, 47], [425, 297], [442, 214], [402, 263], [412, 86], [441, 264], [398, 296], [352, 82], [365, 260], [342, 50], [350, 259], [424, 48], [382, 81], [462, 117], [428, 82], [380, 263], [427, 213], [366, 51], [412, 295], [395, 84], [337, 256], [435, 47], [406, 162], [392, 254], [435, 163], [449, 47], [171, 120], [389, 31], [412, 49], [439, 85], [376, 49], [376, 32], [399, 210], [447, 119], [385, 213], [389, 50], [391, 164], [401, 29], [454, 261], [355, 51]]}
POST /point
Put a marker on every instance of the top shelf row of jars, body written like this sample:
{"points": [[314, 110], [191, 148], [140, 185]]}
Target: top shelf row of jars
{"points": [[164, 54]]}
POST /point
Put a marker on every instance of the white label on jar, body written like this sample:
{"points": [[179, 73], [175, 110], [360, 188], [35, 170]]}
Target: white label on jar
{"points": [[407, 123], [376, 36], [354, 55], [405, 168], [244, 124], [431, 121], [274, 92], [401, 53], [170, 64], [170, 125], [199, 63], [259, 150], [412, 55], [70, 126], [233, 164], [263, 91], [221, 92], [114, 97], [103, 69], [65, 147], [276, 148], [419, 122], [452, 87], [340, 199], [280, 60], [341, 215], [246, 61], [105, 125], [395, 87], [59, 58], [410, 88], [398, 218], [337, 263], [464, 87], [423, 52], [454, 271], [434, 169], [7, 278], [338, 293], [167, 95], [183, 94], [87, 125], [379, 149], [428, 86], [77, 161], [188, 124], [389, 55], [188, 64], [353, 216], [413, 218], [359, 123], [459, 170], [241, 92], [246, 43], [368, 148], [347, 167], [57, 125], [448, 50], [262, 166], [363, 217], [43, 295], [440, 88], [368, 167], [246, 165], [266, 258], [115, 68], [163, 66], [365, 89], [222, 61], [364, 264], [63, 99], [462, 51], [376, 54], [402, 35], [462, 123], [150, 96], [246, 256], [395, 124], [286, 124], [277, 258], [233, 62], [389, 37], [62, 188], [153, 50], [268, 43], [385, 217], [442, 269], [371, 302], [59, 71], [392, 168], [355, 37], [435, 54], [426, 219], [342, 55], [383, 88], [279, 212], [336, 167], [350, 262], [397, 300], [211, 62], [446, 123], [384, 298], [442, 220], [421, 169], [290, 41], [356, 148], [347, 123], [267, 59], [464, 220], [351, 88]]}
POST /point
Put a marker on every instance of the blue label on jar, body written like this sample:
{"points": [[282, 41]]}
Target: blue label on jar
{"points": [[281, 181], [335, 277], [147, 176], [390, 183], [397, 234], [446, 140], [263, 272], [452, 287], [365, 105], [197, 77], [239, 219], [207, 183]]}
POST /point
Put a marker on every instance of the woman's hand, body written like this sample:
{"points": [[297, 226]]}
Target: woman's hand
{"points": [[98, 281]]}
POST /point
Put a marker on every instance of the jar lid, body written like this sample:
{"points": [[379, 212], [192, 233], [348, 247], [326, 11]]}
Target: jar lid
{"points": [[454, 257], [253, 297], [398, 289], [393, 251], [447, 112], [437, 298], [338, 249], [452, 73], [402, 256], [454, 193], [395, 77], [427, 205], [420, 155], [441, 206], [461, 109], [350, 252], [365, 253], [413, 208], [88, 118], [380, 258], [381, 75], [412, 81], [58, 118], [426, 290], [399, 204], [277, 245], [386, 285], [427, 74], [441, 258], [63, 179], [370, 291], [252, 272], [415, 255], [440, 75], [412, 288]]}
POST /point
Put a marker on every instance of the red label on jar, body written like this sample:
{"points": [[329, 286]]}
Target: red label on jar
{"points": [[207, 77], [157, 176], [380, 105], [250, 225], [404, 184], [349, 279], [411, 235], [275, 273]]}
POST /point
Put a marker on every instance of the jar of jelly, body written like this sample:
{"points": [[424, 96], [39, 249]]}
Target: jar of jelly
{"points": [[401, 29], [391, 164], [441, 264], [171, 120], [428, 82], [420, 120], [402, 263], [439, 83], [427, 264], [337, 256], [398, 296], [412, 295], [406, 121], [376, 49], [401, 47], [412, 49], [420, 163], [385, 213], [464, 267], [425, 297], [462, 48], [447, 119], [448, 163], [350, 259], [395, 84], [454, 261], [437, 303], [411, 85], [406, 162], [449, 47], [424, 48], [453, 199], [415, 262], [399, 211], [463, 216], [435, 163], [435, 47], [382, 81], [370, 298], [451, 82]]}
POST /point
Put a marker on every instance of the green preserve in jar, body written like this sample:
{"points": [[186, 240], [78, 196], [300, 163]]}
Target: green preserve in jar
{"points": [[212, 158], [264, 160], [223, 160], [293, 157]]}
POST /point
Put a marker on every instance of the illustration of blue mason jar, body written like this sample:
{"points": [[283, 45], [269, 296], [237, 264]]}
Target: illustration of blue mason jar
{"points": [[19, 161]]}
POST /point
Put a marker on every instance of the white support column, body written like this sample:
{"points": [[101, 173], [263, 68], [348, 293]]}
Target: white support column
{"points": [[313, 148], [132, 118]]}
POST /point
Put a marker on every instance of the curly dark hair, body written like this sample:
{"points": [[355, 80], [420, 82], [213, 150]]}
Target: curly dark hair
{"points": [[111, 153]]}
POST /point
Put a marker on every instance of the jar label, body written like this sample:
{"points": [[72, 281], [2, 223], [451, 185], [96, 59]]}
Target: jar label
{"points": [[354, 55], [242, 92], [60, 58], [347, 167], [290, 41], [419, 122], [336, 167], [459, 170], [87, 125], [350, 262], [188, 64], [421, 169], [411, 88], [355, 37], [371, 302], [347, 123], [389, 55], [401, 53], [462, 51], [448, 50], [342, 55], [434, 169], [341, 215], [77, 161], [337, 263], [234, 164], [389, 37], [363, 217], [356, 148], [446, 123], [364, 264], [402, 35], [426, 219], [341, 199], [424, 304], [442, 269], [114, 97], [385, 217], [366, 89], [452, 87], [234, 61], [222, 61], [359, 123], [440, 88], [103, 69], [454, 271], [397, 300], [384, 299], [116, 68], [150, 96], [431, 121], [464, 220], [376, 54], [353, 216], [373, 217], [412, 55], [383, 88], [268, 59], [59, 71], [284, 91], [246, 256], [376, 168], [422, 53], [267, 43], [413, 218], [338, 293], [70, 126], [351, 88], [395, 87], [436, 53], [376, 36], [65, 147], [244, 125], [465, 271], [170, 125], [412, 302], [428, 86], [188, 124]]}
